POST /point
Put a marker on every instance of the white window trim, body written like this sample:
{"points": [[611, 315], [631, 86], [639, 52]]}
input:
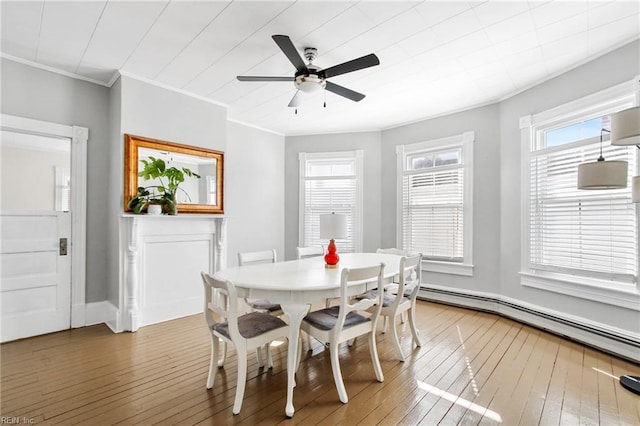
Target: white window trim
{"points": [[577, 286], [359, 156], [464, 141]]}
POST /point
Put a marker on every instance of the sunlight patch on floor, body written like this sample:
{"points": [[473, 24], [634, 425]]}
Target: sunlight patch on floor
{"points": [[483, 411], [474, 385]]}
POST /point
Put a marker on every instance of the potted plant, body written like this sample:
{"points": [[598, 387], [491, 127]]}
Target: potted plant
{"points": [[164, 194]]}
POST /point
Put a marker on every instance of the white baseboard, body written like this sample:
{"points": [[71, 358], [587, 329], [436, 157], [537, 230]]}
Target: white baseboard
{"points": [[78, 312], [601, 336], [103, 312], [168, 311]]}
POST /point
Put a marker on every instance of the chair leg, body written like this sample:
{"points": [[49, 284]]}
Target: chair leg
{"points": [[224, 354], [403, 318], [242, 379], [374, 356], [396, 341], [259, 357], [307, 338], [414, 329], [386, 324], [337, 374], [269, 357], [215, 342]]}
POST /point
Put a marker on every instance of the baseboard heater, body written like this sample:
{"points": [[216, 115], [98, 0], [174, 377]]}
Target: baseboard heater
{"points": [[610, 341]]}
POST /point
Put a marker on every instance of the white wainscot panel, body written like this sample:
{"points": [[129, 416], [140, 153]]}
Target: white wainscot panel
{"points": [[170, 276]]}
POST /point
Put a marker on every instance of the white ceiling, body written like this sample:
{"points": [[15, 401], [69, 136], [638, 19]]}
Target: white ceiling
{"points": [[436, 56]]}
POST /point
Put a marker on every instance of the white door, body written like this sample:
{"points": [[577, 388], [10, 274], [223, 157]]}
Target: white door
{"points": [[35, 276], [35, 236]]}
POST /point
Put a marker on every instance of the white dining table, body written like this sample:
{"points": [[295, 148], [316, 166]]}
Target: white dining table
{"points": [[296, 284]]}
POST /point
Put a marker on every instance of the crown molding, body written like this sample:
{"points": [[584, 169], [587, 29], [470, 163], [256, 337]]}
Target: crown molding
{"points": [[54, 70], [171, 88]]}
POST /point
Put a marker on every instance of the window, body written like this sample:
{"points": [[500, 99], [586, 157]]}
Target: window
{"points": [[435, 202], [576, 238], [331, 182]]}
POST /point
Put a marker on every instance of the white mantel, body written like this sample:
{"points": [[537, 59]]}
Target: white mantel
{"points": [[161, 260]]}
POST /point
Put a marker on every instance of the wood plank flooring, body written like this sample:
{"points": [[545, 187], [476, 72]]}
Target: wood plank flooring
{"points": [[474, 368]]}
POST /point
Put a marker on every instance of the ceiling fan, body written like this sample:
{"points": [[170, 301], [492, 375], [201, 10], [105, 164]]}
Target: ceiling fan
{"points": [[310, 78]]}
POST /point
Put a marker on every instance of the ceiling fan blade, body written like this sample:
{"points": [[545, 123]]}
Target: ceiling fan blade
{"points": [[286, 45], [296, 100], [261, 78], [343, 91], [353, 65]]}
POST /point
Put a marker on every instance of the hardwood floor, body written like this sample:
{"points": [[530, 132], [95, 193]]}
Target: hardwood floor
{"points": [[474, 368]]}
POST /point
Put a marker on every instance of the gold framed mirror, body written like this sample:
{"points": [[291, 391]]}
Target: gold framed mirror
{"points": [[203, 194]]}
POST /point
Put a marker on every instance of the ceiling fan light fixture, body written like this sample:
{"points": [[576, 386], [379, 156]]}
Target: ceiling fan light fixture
{"points": [[309, 83]]}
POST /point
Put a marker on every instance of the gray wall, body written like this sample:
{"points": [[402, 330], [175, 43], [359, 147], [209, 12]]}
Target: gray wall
{"points": [[254, 200], [369, 142], [616, 67], [42, 95], [154, 112], [486, 180]]}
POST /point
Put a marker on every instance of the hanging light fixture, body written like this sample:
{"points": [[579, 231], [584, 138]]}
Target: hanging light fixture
{"points": [[625, 127], [602, 174], [625, 130]]}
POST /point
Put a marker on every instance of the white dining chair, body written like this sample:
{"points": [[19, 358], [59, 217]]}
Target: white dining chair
{"points": [[346, 321], [256, 257], [310, 251], [246, 332], [400, 298], [398, 252], [260, 305], [392, 250], [305, 253]]}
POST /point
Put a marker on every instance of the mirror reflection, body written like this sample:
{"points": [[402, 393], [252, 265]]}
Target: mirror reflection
{"points": [[192, 190], [154, 164]]}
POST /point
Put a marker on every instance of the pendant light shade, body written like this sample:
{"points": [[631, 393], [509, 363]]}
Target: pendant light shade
{"points": [[625, 127], [602, 175], [635, 193]]}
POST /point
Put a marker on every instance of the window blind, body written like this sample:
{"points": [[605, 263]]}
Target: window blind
{"points": [[589, 233], [433, 212]]}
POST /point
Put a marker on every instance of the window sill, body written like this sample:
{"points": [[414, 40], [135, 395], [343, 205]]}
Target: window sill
{"points": [[448, 267], [584, 288]]}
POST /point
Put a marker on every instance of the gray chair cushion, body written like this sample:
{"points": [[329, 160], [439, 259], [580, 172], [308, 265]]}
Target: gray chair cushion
{"points": [[265, 305], [325, 319], [251, 325], [387, 299]]}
